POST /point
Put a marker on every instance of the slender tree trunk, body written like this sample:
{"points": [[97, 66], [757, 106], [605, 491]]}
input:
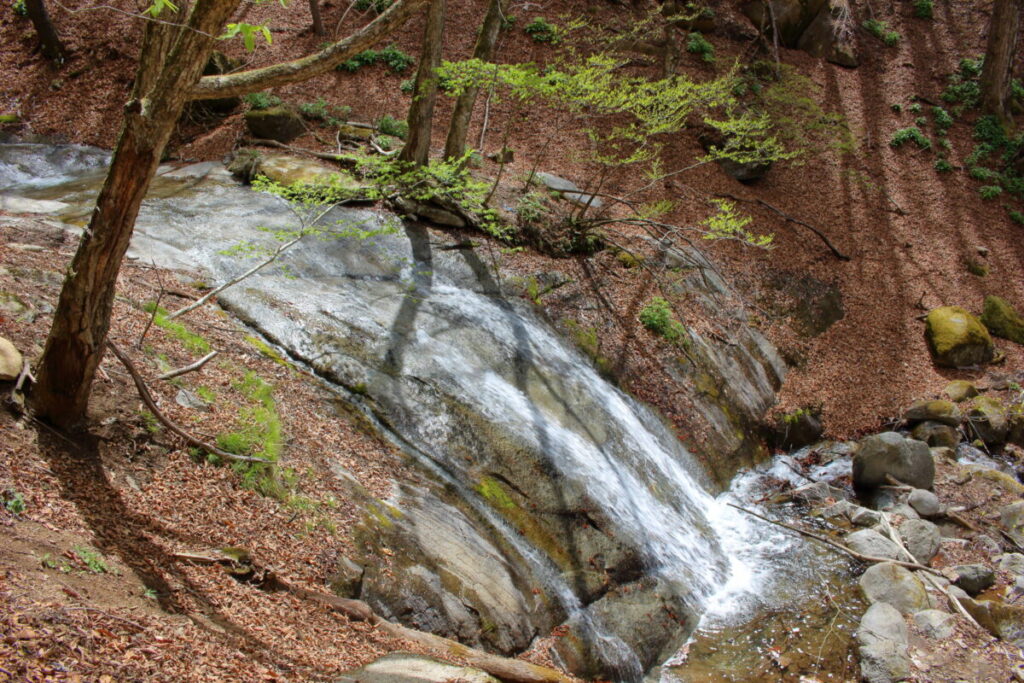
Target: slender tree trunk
{"points": [[996, 75], [318, 23], [49, 41], [455, 145], [421, 111], [75, 345]]}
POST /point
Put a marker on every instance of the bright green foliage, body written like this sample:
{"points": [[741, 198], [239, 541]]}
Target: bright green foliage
{"points": [[1017, 217], [407, 86], [391, 56], [881, 30], [321, 111], [262, 100], [728, 224], [153, 10], [898, 108], [389, 125], [657, 317], [259, 435], [190, 340], [916, 108], [923, 9], [943, 166], [92, 559], [386, 142], [543, 31], [990, 191], [963, 89], [912, 134], [697, 44], [921, 121], [19, 8], [248, 33]]}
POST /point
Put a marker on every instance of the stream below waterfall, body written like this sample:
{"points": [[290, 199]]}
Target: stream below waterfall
{"points": [[544, 473]]}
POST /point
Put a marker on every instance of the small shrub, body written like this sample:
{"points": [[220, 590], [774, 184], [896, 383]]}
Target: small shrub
{"points": [[881, 30], [386, 142], [389, 125], [983, 174], [921, 121], [542, 31], [530, 207], [316, 111], [943, 119], [13, 502], [912, 134], [697, 44], [898, 108], [916, 108], [943, 166], [924, 9], [990, 191], [944, 145], [19, 8], [395, 59], [658, 318], [407, 86], [92, 559], [262, 100], [1017, 217]]}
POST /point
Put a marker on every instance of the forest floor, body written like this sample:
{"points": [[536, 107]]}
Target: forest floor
{"points": [[133, 495]]}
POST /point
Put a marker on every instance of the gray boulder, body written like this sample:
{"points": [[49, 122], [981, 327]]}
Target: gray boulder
{"points": [[934, 623], [1012, 519], [925, 502], [882, 639], [988, 420], [569, 190], [922, 539], [907, 460], [10, 361], [891, 583], [870, 542], [974, 578], [1013, 563], [861, 516]]}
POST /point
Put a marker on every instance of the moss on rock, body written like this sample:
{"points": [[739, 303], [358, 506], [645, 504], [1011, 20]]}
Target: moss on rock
{"points": [[956, 338], [1002, 320]]}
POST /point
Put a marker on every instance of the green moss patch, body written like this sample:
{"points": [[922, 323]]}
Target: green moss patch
{"points": [[1002, 320]]}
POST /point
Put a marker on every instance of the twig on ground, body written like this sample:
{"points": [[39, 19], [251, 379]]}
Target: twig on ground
{"points": [[302, 150], [147, 398], [152, 318], [108, 615], [189, 368]]}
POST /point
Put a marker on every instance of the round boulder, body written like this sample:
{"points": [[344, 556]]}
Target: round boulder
{"points": [[922, 539], [924, 502], [960, 390], [908, 460], [956, 338], [936, 434], [988, 420], [1002, 320], [945, 412], [891, 583], [882, 638], [974, 578], [275, 123], [10, 361]]}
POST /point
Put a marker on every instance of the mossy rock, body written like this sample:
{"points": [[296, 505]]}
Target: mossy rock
{"points": [[956, 338], [280, 123], [937, 434], [945, 412], [960, 390], [1002, 320], [989, 420]]}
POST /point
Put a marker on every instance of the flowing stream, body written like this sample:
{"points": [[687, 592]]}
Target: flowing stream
{"points": [[476, 385]]}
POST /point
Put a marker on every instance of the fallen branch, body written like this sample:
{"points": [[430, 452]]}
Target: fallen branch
{"points": [[147, 398], [838, 254], [190, 368], [839, 546], [302, 150]]}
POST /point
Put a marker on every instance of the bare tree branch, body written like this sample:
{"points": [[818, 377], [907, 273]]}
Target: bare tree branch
{"points": [[190, 368]]}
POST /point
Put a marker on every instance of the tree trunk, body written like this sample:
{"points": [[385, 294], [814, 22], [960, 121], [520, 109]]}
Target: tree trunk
{"points": [[49, 41], [75, 345], [455, 145], [318, 23], [421, 111], [1003, 35], [304, 68]]}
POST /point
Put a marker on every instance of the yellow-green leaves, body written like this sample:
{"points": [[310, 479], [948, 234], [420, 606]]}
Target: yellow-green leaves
{"points": [[158, 6], [248, 33], [729, 224]]}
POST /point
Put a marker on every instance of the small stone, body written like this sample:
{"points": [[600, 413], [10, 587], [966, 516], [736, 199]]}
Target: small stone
{"points": [[960, 390], [883, 637], [891, 583], [870, 542], [862, 516], [11, 361], [974, 578], [187, 399], [904, 511], [925, 502], [922, 539], [989, 545], [933, 623]]}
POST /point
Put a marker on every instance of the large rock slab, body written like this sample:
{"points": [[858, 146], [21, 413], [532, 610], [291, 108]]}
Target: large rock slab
{"points": [[402, 667], [882, 638], [891, 583], [908, 460], [956, 338], [823, 37]]}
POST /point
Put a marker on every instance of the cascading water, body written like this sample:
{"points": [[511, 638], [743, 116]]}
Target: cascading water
{"points": [[477, 386]]}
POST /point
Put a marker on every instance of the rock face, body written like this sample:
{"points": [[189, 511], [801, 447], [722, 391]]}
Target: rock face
{"points": [[792, 17], [907, 460], [275, 123], [11, 361], [882, 637], [1002, 320], [891, 583], [402, 667], [922, 539], [956, 338], [822, 38]]}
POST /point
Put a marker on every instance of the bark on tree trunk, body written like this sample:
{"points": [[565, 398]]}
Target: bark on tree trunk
{"points": [[49, 41], [75, 345], [318, 24], [455, 144], [421, 111], [996, 75]]}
